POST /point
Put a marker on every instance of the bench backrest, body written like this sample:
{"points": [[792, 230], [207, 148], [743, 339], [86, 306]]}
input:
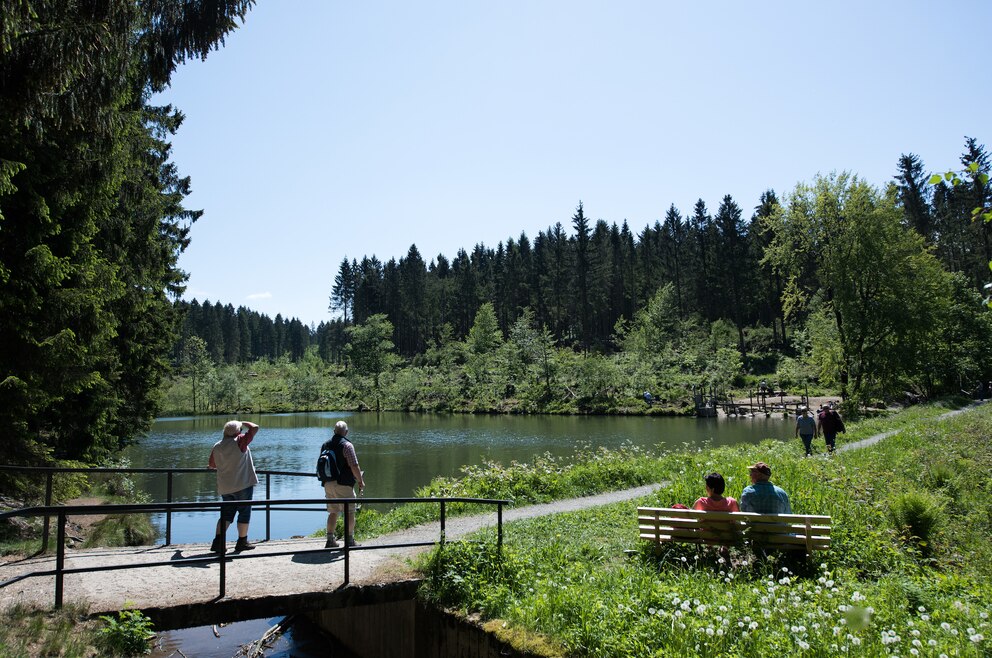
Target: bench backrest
{"points": [[664, 524]]}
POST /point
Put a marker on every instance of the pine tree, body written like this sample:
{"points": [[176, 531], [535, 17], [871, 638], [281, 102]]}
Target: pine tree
{"points": [[343, 292], [913, 194], [91, 215]]}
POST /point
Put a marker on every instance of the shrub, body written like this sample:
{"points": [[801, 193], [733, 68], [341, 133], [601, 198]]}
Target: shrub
{"points": [[127, 634], [917, 515], [122, 530], [472, 575]]}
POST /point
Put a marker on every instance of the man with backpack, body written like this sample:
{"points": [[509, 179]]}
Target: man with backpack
{"points": [[829, 423], [338, 471]]}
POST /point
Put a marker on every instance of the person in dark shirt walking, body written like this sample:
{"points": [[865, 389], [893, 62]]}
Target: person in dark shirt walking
{"points": [[829, 423]]}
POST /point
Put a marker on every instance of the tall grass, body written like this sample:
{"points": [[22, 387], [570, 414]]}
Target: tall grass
{"points": [[583, 580], [25, 633]]}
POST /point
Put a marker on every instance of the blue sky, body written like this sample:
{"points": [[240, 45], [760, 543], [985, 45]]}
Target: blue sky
{"points": [[326, 129]]}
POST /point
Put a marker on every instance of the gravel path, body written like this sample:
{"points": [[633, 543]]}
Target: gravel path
{"points": [[871, 440]]}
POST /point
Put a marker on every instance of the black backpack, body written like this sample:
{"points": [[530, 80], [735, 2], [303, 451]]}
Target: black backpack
{"points": [[327, 463]]}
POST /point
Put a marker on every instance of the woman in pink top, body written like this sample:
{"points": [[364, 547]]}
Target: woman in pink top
{"points": [[714, 500]]}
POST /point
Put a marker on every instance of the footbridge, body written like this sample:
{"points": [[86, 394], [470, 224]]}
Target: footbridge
{"points": [[277, 573], [185, 584]]}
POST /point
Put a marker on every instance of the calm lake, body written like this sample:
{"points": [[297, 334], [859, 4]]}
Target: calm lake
{"points": [[400, 452]]}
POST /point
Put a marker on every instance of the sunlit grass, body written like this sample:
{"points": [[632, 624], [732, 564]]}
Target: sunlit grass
{"points": [[66, 633], [584, 580]]}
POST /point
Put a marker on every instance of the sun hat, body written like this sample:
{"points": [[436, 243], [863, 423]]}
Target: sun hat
{"points": [[761, 467]]}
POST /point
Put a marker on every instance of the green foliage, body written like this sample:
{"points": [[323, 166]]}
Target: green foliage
{"points": [[122, 530], [370, 351], [127, 634], [92, 217], [549, 478], [67, 633], [475, 576], [878, 287], [869, 595], [917, 516]]}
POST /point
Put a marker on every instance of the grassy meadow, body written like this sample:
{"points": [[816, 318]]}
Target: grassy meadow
{"points": [[908, 573]]}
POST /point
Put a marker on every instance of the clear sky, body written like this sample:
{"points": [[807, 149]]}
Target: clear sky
{"points": [[327, 129]]}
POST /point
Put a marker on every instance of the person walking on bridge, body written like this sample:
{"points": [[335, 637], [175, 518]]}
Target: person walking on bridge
{"points": [[343, 484], [236, 480]]}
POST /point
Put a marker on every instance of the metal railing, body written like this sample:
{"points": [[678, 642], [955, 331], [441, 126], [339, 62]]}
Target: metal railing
{"points": [[63, 512], [50, 472]]}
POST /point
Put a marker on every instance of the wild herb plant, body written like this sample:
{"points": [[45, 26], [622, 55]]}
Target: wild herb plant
{"points": [[127, 634]]}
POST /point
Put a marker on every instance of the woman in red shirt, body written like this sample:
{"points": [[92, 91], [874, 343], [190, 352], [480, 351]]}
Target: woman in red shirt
{"points": [[714, 500]]}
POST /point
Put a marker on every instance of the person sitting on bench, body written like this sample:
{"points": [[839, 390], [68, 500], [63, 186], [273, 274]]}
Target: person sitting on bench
{"points": [[714, 500], [762, 496]]}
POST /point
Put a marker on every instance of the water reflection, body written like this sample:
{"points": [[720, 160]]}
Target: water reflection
{"points": [[403, 451], [302, 639]]}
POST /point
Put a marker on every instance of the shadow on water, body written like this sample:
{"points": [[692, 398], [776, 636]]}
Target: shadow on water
{"points": [[302, 639]]}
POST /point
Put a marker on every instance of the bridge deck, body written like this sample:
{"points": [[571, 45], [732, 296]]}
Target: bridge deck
{"points": [[188, 580]]}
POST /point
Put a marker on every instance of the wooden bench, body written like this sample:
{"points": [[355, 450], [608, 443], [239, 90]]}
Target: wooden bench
{"points": [[663, 525]]}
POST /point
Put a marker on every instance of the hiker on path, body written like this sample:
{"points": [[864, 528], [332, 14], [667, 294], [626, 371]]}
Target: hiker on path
{"points": [[350, 473], [806, 429], [829, 423], [714, 500], [236, 480], [762, 496]]}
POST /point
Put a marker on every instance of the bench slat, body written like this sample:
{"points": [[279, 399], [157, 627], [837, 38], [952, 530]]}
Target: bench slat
{"points": [[645, 521], [817, 543], [663, 525], [692, 513]]}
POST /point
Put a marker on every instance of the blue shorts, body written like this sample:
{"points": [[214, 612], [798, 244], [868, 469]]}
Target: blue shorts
{"points": [[244, 511]]}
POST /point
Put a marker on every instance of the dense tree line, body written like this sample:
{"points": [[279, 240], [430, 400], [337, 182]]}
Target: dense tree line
{"points": [[579, 284], [850, 283], [242, 335], [91, 215]]}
